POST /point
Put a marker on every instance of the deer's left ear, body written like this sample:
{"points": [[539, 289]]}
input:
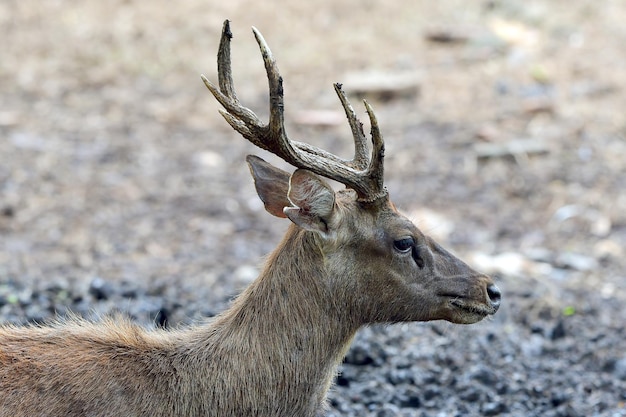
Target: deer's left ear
{"points": [[271, 183], [314, 201]]}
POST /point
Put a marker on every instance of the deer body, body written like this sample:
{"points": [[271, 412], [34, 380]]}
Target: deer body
{"points": [[349, 259]]}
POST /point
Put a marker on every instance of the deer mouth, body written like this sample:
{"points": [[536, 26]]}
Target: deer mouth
{"points": [[466, 311], [472, 307]]}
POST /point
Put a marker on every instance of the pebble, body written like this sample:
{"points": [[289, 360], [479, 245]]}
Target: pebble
{"points": [[619, 369], [100, 289]]}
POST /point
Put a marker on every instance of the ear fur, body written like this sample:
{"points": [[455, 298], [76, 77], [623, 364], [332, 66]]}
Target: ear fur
{"points": [[271, 183], [314, 200]]}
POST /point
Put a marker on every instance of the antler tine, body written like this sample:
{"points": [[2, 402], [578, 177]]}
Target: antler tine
{"points": [[277, 106], [376, 170], [224, 73], [242, 119], [363, 175], [360, 160]]}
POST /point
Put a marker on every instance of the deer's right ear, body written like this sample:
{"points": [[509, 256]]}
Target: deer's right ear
{"points": [[272, 185], [314, 200]]}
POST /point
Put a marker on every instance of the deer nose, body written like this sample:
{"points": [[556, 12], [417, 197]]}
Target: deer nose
{"points": [[493, 292]]}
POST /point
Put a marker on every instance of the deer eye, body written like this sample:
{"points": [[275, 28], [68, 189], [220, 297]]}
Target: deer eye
{"points": [[404, 245]]}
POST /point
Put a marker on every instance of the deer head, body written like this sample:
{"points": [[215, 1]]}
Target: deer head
{"points": [[381, 267]]}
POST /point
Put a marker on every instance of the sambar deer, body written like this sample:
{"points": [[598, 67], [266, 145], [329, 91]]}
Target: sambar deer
{"points": [[349, 259]]}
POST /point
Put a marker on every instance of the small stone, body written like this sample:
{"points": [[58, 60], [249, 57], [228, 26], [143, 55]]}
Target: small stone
{"points": [[372, 353], [558, 332], [400, 376], [100, 289], [7, 211], [471, 395], [485, 376], [430, 393], [533, 346], [494, 408], [619, 369], [383, 85], [388, 410], [359, 355], [408, 398], [575, 261]]}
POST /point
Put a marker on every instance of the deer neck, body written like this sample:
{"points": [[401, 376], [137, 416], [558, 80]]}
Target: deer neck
{"points": [[284, 333]]}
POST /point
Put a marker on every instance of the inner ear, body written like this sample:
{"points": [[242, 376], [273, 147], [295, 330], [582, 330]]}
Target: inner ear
{"points": [[314, 201], [271, 183]]}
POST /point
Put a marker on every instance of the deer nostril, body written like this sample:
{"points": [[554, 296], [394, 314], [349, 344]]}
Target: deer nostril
{"points": [[493, 292]]}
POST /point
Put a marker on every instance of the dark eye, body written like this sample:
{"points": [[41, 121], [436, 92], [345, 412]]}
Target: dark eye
{"points": [[404, 245]]}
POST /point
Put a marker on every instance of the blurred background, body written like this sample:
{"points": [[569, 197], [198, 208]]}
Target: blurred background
{"points": [[121, 187]]}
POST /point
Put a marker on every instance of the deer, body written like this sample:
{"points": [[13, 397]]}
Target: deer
{"points": [[347, 260]]}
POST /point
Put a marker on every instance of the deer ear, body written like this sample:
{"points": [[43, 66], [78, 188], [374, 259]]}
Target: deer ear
{"points": [[272, 185], [314, 200]]}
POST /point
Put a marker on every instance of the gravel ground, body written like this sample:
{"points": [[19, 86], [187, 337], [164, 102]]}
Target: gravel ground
{"points": [[122, 189]]}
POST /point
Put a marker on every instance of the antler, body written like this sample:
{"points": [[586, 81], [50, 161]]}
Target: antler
{"points": [[362, 174]]}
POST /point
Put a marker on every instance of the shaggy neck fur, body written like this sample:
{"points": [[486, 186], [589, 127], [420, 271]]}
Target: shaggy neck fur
{"points": [[281, 373]]}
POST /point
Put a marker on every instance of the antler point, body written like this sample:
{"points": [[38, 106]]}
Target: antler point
{"points": [[226, 29]]}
